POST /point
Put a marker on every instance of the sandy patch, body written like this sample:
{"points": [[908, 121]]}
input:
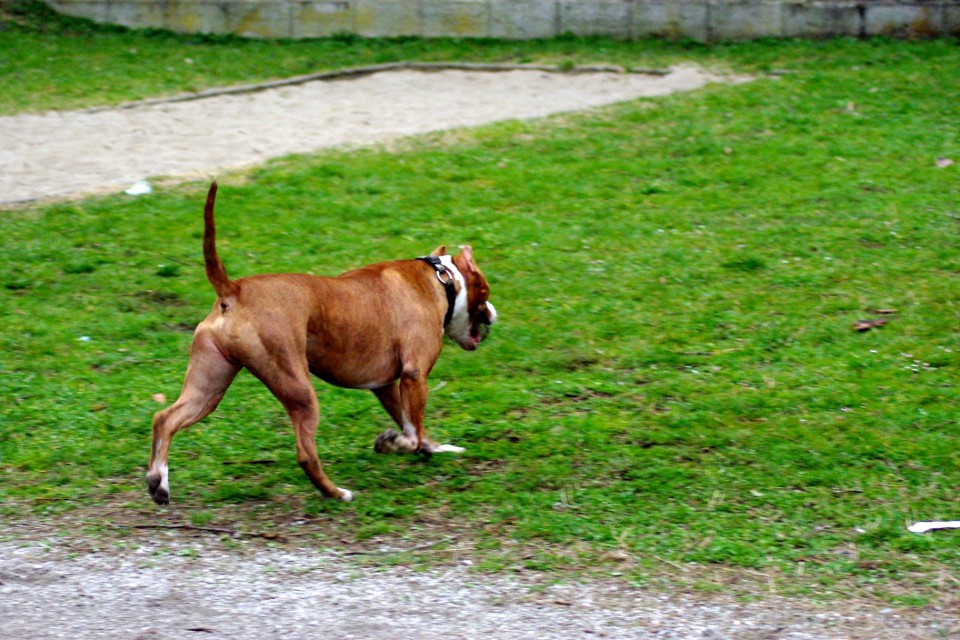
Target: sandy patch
{"points": [[64, 154]]}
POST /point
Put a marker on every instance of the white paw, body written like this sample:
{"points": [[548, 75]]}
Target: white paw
{"points": [[346, 496], [448, 448]]}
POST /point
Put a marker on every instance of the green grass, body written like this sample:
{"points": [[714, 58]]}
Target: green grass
{"points": [[674, 377]]}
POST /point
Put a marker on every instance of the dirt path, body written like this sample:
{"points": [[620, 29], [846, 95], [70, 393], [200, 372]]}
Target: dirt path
{"points": [[175, 587], [62, 154]]}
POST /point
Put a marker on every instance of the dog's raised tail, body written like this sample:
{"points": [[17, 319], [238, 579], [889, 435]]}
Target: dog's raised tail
{"points": [[216, 274]]}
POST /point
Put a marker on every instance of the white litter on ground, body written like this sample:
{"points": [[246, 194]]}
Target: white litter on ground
{"points": [[923, 527], [139, 188]]}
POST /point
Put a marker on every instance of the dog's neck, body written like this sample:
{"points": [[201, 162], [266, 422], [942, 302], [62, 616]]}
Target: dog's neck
{"points": [[455, 285], [459, 319]]}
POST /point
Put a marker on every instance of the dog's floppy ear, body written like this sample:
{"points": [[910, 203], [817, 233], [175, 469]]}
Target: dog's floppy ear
{"points": [[440, 251]]}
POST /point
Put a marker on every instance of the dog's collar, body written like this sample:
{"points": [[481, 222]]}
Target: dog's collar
{"points": [[447, 277]]}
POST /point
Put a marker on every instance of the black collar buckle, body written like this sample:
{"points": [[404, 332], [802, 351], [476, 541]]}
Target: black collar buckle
{"points": [[447, 279]]}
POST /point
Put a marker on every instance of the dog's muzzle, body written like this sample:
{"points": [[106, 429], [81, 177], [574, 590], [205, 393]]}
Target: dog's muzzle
{"points": [[483, 328], [485, 320]]}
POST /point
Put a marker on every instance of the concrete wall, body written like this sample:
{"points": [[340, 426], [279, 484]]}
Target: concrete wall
{"points": [[702, 20]]}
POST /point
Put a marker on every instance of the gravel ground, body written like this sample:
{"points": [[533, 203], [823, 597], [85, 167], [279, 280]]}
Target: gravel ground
{"points": [[174, 586]]}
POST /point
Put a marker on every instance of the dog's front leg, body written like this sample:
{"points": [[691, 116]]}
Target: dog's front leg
{"points": [[413, 403], [406, 403], [391, 441]]}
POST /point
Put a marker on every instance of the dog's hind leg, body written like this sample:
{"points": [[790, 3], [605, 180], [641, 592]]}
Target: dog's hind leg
{"points": [[208, 376], [293, 389]]}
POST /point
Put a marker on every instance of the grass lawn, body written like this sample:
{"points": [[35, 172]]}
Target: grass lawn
{"points": [[674, 389]]}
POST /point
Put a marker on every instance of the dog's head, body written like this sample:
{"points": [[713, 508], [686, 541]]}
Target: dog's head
{"points": [[473, 313]]}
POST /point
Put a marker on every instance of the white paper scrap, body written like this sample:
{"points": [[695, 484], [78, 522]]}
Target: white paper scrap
{"points": [[139, 188], [923, 527]]}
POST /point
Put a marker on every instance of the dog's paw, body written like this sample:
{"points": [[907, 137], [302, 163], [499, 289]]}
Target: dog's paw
{"points": [[158, 491], [386, 442], [391, 441], [161, 497]]}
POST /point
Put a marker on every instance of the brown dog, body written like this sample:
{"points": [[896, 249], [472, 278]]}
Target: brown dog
{"points": [[379, 327]]}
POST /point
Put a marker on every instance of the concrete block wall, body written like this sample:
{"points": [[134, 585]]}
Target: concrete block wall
{"points": [[703, 20]]}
